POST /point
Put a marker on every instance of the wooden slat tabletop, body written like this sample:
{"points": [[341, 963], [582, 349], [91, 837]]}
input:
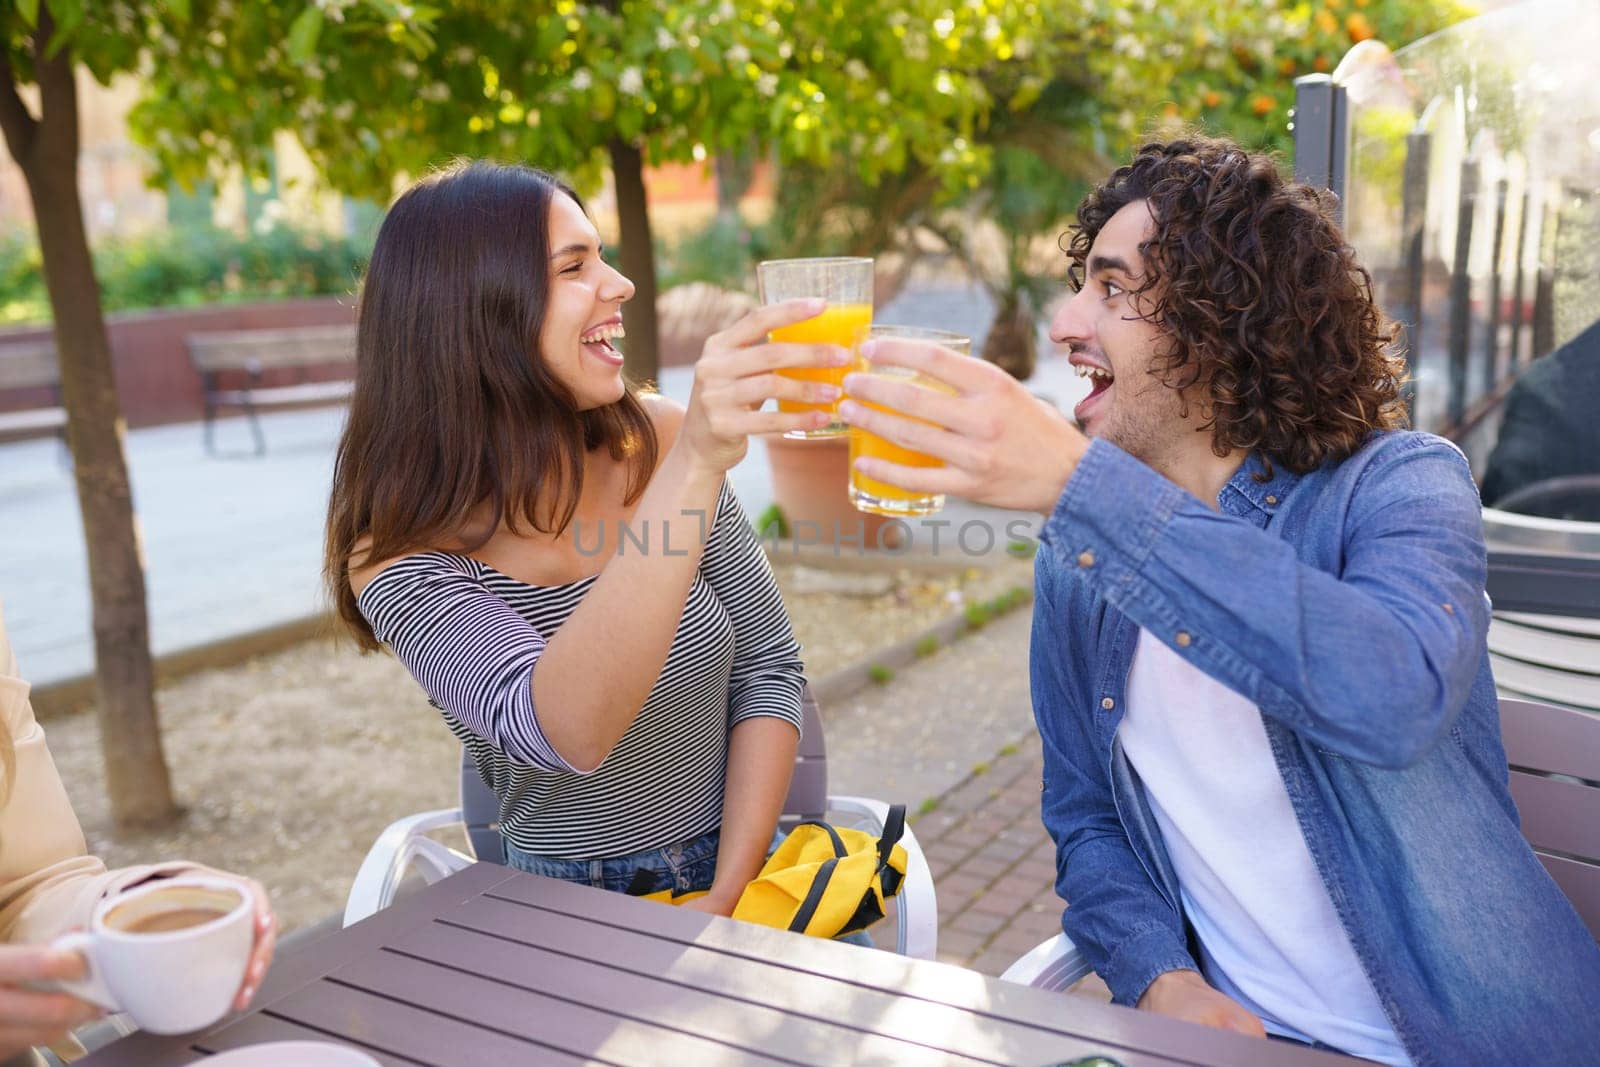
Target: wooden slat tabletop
{"points": [[493, 966]]}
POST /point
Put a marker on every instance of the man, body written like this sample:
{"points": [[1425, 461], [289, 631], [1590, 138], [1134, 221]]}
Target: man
{"points": [[1272, 758]]}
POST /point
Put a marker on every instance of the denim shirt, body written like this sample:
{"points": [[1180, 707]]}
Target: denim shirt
{"points": [[1348, 604]]}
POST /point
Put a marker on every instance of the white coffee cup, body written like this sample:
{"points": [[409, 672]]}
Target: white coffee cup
{"points": [[171, 953]]}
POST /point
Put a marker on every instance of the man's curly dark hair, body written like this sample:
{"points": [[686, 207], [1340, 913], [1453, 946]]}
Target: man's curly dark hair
{"points": [[1267, 310]]}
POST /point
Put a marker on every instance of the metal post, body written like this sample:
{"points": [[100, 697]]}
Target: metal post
{"points": [[1413, 223], [1544, 285], [1339, 150], [1491, 344], [1321, 135], [1519, 316], [1461, 293]]}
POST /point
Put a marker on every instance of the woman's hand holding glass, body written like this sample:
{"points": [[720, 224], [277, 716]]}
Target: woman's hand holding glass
{"points": [[737, 374]]}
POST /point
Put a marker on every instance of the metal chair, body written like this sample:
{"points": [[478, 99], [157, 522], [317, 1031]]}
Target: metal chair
{"points": [[1554, 755], [1572, 497], [404, 845], [1544, 579]]}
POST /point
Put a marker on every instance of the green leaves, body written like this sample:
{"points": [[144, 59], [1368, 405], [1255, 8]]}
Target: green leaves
{"points": [[68, 15], [304, 32]]}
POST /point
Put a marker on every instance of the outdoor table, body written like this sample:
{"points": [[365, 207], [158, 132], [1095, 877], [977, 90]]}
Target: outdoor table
{"points": [[494, 966]]}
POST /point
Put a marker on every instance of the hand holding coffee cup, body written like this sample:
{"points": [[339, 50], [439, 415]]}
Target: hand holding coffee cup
{"points": [[30, 1014], [175, 954]]}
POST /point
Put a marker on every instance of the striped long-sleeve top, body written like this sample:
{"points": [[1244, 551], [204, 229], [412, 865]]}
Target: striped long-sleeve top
{"points": [[471, 636]]}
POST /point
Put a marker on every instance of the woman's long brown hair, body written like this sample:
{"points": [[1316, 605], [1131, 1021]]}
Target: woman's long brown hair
{"points": [[454, 408]]}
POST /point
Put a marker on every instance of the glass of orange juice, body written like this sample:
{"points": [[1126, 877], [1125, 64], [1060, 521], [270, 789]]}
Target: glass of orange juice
{"points": [[846, 284], [870, 494]]}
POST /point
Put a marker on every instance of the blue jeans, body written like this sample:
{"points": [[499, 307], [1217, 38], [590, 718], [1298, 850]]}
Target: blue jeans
{"points": [[683, 867]]}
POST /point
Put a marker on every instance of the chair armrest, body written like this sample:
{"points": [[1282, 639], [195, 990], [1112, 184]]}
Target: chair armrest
{"points": [[917, 916], [1053, 964], [397, 848]]}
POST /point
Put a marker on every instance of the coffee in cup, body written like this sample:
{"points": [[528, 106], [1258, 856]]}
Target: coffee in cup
{"points": [[170, 953], [171, 907]]}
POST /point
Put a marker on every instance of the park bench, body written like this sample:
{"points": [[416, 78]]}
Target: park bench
{"points": [[32, 365], [220, 355]]}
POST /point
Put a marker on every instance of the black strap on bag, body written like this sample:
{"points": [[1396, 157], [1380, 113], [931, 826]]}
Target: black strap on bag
{"points": [[894, 827], [819, 884], [808, 907], [833, 835]]}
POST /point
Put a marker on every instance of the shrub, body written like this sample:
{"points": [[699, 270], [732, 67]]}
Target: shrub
{"points": [[724, 253], [771, 523], [190, 265], [22, 295]]}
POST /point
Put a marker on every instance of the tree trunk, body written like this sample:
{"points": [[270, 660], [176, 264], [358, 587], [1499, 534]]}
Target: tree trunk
{"points": [[735, 168], [641, 353], [47, 150], [1012, 344]]}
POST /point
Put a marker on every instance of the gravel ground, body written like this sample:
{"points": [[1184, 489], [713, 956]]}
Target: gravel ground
{"points": [[291, 764]]}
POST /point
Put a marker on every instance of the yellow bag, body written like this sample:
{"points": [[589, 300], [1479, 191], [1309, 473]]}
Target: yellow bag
{"points": [[823, 880], [827, 880]]}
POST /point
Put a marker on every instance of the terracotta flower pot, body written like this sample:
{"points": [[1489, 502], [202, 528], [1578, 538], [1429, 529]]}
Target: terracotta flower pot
{"points": [[809, 484]]}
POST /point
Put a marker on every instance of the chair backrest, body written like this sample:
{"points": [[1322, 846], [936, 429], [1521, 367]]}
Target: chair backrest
{"points": [[1544, 641], [480, 811], [808, 789], [1554, 754]]}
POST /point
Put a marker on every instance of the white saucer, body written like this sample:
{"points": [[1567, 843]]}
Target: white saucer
{"points": [[291, 1054]]}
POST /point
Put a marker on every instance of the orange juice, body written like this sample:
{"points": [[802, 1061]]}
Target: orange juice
{"points": [[870, 494], [839, 324]]}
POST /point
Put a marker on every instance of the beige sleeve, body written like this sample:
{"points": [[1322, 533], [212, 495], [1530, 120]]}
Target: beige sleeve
{"points": [[48, 881]]}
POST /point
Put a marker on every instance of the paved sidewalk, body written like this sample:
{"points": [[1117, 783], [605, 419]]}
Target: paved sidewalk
{"points": [[993, 864]]}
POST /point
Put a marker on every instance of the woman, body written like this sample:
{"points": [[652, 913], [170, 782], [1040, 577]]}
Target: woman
{"points": [[49, 884], [556, 558]]}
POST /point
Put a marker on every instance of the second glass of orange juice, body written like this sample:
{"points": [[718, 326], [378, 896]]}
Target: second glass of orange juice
{"points": [[846, 284], [871, 494]]}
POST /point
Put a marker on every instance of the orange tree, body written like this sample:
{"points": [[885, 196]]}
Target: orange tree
{"points": [[43, 46], [869, 87], [1236, 69], [1096, 76]]}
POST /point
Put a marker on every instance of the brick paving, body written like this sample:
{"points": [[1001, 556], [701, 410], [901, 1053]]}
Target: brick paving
{"points": [[994, 866]]}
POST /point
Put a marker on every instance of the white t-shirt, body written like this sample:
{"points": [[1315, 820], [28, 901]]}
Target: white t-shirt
{"points": [[1268, 933]]}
